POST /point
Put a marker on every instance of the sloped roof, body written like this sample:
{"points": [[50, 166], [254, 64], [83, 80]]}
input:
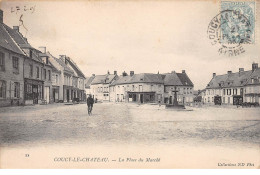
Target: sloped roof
{"points": [[172, 79], [185, 80], [22, 42], [103, 79], [218, 79], [60, 62], [89, 81], [168, 79], [256, 75], [7, 42], [237, 79], [230, 80], [76, 68]]}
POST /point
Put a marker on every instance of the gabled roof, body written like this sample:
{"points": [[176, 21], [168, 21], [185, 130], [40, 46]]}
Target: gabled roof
{"points": [[103, 79], [177, 79], [22, 42], [168, 79], [7, 42], [66, 68], [255, 75], [236, 79], [76, 68], [185, 80], [89, 81]]}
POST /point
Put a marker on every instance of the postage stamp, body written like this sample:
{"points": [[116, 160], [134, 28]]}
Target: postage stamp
{"points": [[233, 26], [238, 22]]}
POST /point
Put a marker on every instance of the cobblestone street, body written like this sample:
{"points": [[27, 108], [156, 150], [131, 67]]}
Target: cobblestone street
{"points": [[128, 124]]}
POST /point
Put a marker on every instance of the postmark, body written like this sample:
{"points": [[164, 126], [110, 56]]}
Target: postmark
{"points": [[233, 27]]}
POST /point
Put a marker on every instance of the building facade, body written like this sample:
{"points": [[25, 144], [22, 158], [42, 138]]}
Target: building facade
{"points": [[152, 88], [233, 88], [99, 86], [11, 69]]}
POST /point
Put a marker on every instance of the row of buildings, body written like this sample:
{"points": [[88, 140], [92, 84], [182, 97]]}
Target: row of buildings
{"points": [[32, 76], [141, 88], [233, 88]]}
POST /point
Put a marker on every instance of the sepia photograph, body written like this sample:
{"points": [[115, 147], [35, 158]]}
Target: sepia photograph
{"points": [[149, 84]]}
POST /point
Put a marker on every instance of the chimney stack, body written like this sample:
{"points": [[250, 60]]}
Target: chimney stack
{"points": [[229, 72], [115, 72], [108, 72], [214, 74], [16, 28], [241, 69], [93, 75], [124, 74], [183, 71], [1, 16], [132, 73], [254, 66]]}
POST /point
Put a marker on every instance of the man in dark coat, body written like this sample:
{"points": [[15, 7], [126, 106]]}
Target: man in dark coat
{"points": [[90, 102]]}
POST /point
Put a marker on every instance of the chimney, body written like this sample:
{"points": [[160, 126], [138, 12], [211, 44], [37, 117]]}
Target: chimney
{"points": [[229, 72], [42, 49], [241, 70], [124, 74], [254, 66], [214, 74], [108, 72], [115, 72], [183, 71], [16, 28], [1, 16], [132, 73], [93, 75]]}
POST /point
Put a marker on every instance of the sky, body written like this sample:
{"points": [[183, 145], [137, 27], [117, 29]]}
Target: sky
{"points": [[140, 36]]}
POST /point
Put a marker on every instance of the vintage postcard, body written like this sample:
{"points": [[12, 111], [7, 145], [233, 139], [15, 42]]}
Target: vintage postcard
{"points": [[130, 84]]}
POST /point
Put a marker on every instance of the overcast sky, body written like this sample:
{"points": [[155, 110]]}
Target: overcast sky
{"points": [[145, 37]]}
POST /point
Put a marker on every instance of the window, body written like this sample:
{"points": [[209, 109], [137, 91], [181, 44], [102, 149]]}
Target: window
{"points": [[140, 88], [224, 92], [2, 61], [15, 63], [56, 79], [49, 73], [184, 90], [31, 70], [38, 72], [44, 73], [133, 87], [2, 89], [16, 89]]}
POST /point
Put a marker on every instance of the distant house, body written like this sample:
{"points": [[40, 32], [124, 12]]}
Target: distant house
{"points": [[143, 88], [87, 85], [152, 88], [234, 88], [183, 84], [99, 86], [78, 80]]}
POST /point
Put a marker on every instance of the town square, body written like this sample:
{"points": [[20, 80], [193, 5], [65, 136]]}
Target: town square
{"points": [[129, 85]]}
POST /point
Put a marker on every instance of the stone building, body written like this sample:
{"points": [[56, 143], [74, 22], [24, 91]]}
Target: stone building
{"points": [[252, 88], [11, 68], [152, 88], [99, 86], [233, 88], [37, 71]]}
